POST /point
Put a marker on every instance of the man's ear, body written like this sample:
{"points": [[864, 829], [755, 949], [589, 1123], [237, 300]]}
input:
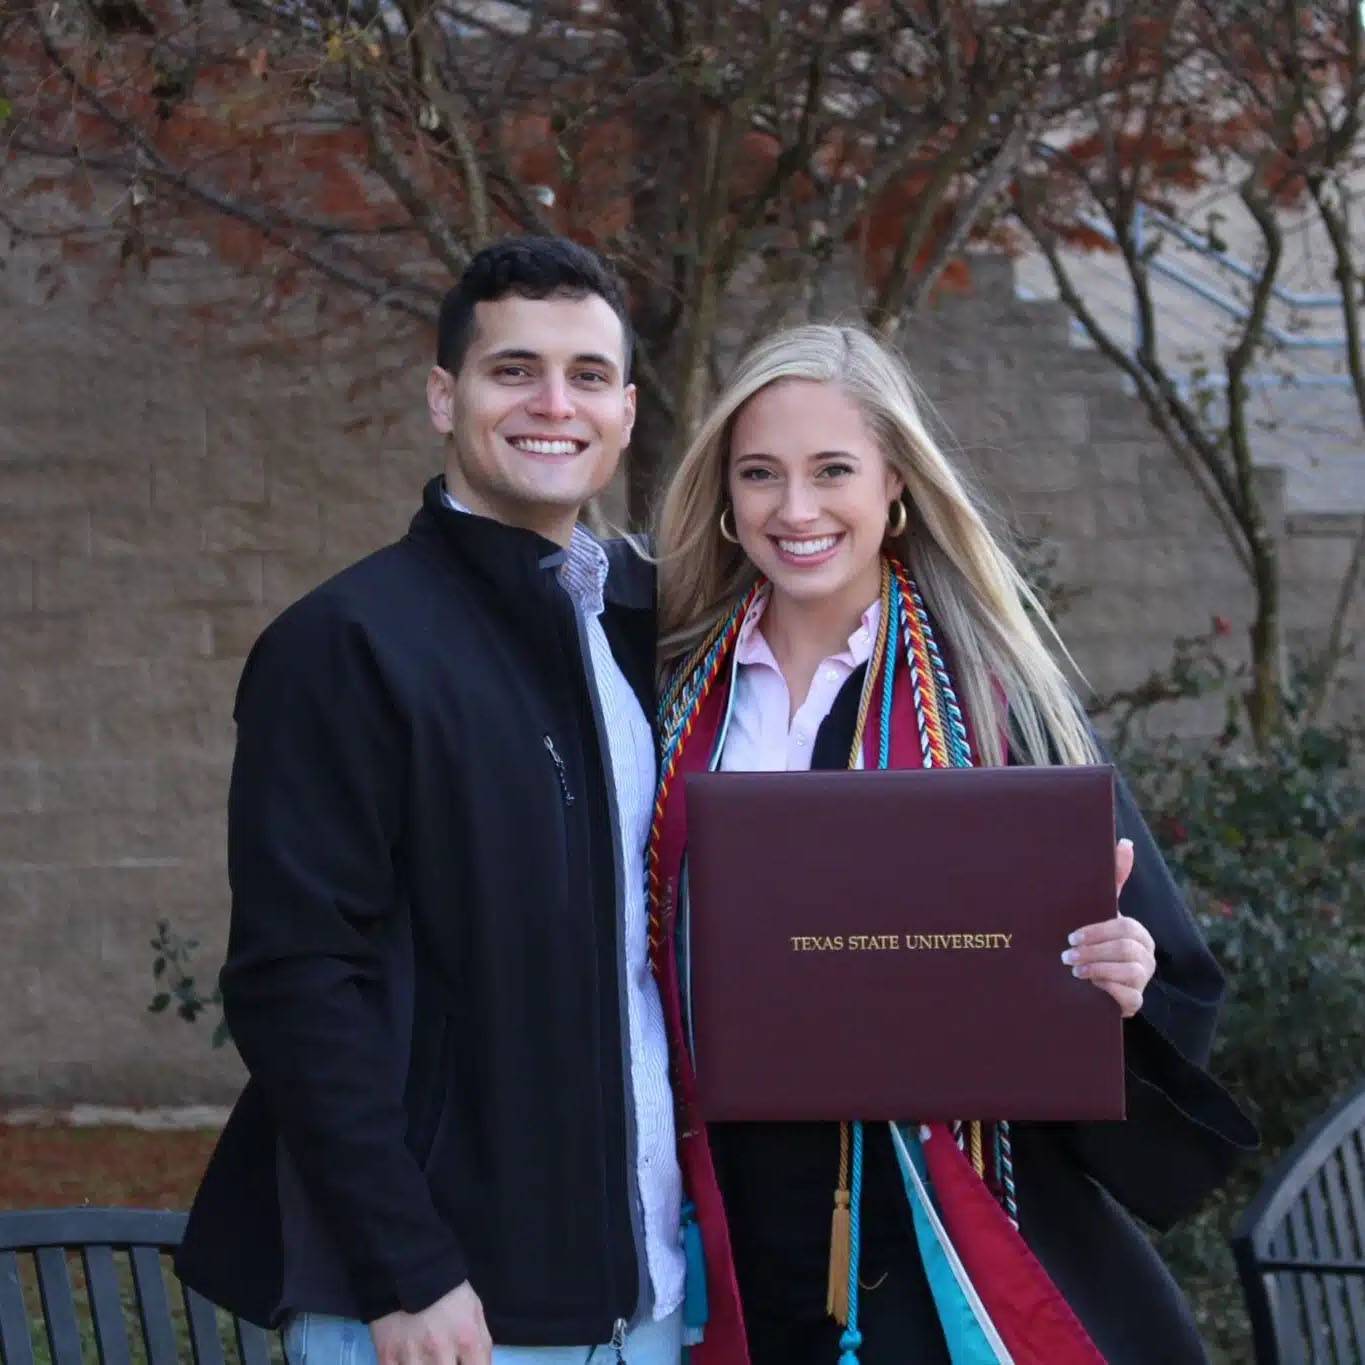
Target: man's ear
{"points": [[630, 414], [441, 399]]}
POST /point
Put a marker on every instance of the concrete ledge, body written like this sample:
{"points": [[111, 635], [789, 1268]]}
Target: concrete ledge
{"points": [[193, 1116]]}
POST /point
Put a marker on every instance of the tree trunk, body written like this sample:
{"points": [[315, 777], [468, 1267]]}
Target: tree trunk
{"points": [[1265, 696], [650, 458]]}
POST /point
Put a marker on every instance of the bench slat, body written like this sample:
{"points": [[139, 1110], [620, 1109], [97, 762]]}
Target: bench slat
{"points": [[59, 1305], [15, 1342], [153, 1307], [1353, 1174], [1291, 1328], [1348, 1237], [1288, 1265], [205, 1342], [253, 1345], [106, 1305], [1312, 1319], [1315, 1196]]}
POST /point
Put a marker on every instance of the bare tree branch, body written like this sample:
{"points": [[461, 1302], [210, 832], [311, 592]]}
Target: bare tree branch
{"points": [[983, 193], [446, 246], [1195, 452]]}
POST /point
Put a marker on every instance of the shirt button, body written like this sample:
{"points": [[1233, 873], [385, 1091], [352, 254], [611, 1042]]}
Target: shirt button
{"points": [[799, 737], [831, 675]]}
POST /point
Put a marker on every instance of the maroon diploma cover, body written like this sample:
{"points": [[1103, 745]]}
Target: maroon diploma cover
{"points": [[887, 944]]}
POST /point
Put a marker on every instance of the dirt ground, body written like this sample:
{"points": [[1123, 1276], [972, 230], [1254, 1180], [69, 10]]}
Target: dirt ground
{"points": [[51, 1167]]}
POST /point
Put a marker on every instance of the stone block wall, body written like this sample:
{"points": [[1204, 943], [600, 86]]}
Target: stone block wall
{"points": [[163, 495]]}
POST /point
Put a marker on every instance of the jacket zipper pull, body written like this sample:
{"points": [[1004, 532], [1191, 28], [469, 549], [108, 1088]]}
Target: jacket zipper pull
{"points": [[618, 1340], [559, 769]]}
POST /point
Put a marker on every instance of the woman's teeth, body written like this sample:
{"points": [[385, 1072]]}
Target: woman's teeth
{"points": [[532, 446], [807, 547]]}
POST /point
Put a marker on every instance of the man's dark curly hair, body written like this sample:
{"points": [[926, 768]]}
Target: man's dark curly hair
{"points": [[531, 268]]}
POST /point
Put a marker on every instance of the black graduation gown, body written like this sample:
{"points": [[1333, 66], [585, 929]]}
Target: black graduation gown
{"points": [[1080, 1186]]}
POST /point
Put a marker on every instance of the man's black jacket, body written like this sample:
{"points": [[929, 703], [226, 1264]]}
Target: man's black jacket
{"points": [[424, 974]]}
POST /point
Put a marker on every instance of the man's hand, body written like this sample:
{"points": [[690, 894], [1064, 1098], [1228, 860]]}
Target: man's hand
{"points": [[451, 1332]]}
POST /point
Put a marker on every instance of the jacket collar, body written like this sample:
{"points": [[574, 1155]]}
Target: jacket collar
{"points": [[512, 556], [583, 563]]}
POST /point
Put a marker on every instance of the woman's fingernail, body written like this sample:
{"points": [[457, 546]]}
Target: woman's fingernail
{"points": [[1069, 956], [1125, 843], [1075, 938], [1080, 971]]}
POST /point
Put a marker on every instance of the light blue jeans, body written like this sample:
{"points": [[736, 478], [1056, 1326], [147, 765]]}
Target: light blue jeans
{"points": [[317, 1339]]}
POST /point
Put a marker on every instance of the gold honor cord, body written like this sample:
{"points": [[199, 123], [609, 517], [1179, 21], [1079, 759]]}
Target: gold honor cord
{"points": [[840, 1235]]}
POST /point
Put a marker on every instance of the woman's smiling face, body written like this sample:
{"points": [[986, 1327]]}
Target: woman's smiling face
{"points": [[811, 491]]}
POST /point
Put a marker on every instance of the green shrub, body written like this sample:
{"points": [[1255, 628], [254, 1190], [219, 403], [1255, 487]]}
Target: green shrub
{"points": [[1269, 848]]}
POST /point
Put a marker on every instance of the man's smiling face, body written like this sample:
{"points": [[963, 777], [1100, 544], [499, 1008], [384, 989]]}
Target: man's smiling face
{"points": [[539, 412]]}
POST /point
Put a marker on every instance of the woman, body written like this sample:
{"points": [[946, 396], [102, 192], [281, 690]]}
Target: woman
{"points": [[813, 537]]}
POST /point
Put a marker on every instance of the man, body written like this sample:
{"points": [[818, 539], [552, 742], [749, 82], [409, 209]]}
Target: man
{"points": [[458, 1127]]}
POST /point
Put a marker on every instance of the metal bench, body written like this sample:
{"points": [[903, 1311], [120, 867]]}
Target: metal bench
{"points": [[124, 1287], [1300, 1247]]}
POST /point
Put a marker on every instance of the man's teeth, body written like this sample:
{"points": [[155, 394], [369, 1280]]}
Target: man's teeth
{"points": [[532, 446], [807, 547]]}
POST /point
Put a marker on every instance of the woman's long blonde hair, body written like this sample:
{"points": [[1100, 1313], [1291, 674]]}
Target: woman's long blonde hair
{"points": [[979, 599]]}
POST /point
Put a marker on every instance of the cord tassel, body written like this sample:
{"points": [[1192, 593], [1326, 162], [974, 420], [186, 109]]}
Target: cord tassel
{"points": [[840, 1253], [840, 1239]]}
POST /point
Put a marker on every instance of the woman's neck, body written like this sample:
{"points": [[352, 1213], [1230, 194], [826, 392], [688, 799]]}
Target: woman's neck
{"points": [[802, 634]]}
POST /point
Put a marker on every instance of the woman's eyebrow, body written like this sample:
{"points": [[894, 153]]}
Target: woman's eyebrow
{"points": [[818, 455]]}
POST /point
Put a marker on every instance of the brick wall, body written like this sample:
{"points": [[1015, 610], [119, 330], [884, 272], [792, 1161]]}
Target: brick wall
{"points": [[164, 494]]}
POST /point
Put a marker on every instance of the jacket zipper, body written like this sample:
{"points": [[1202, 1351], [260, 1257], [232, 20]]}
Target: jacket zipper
{"points": [[618, 1340], [559, 770]]}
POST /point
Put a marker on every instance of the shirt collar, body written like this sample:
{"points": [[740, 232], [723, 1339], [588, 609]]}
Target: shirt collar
{"points": [[583, 574], [752, 648]]}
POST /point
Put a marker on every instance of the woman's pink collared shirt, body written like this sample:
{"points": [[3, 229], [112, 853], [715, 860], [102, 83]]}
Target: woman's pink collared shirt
{"points": [[760, 738]]}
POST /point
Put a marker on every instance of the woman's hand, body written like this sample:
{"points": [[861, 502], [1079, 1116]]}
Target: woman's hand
{"points": [[1118, 954]]}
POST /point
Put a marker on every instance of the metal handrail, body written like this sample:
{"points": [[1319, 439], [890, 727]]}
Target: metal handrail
{"points": [[1259, 383], [1232, 307], [1201, 244], [1224, 302], [1300, 1267]]}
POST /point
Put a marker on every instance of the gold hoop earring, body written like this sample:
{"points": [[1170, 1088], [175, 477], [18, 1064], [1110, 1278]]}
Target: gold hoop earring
{"points": [[727, 532], [895, 526]]}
